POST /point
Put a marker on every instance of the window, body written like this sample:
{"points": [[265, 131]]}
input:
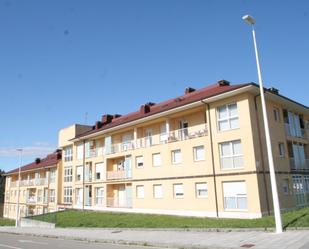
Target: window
{"points": [[277, 114], [227, 117], [235, 195], [176, 156], [51, 195], [281, 149], [99, 196], [79, 173], [139, 161], [178, 190], [79, 196], [68, 174], [201, 190], [67, 195], [68, 154], [140, 192], [52, 176], [163, 133], [231, 155], [40, 193], [157, 191], [80, 151], [286, 188], [156, 159], [98, 171], [199, 153]]}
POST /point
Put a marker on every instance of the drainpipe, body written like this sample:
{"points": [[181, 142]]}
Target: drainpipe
{"points": [[261, 149], [212, 156]]}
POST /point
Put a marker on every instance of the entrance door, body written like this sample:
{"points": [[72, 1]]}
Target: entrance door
{"points": [[121, 196]]}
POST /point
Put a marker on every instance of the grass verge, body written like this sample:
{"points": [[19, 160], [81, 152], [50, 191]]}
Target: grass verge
{"points": [[75, 218], [6, 222]]}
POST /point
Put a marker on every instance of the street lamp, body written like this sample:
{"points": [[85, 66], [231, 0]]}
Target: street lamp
{"points": [[18, 188], [250, 20]]}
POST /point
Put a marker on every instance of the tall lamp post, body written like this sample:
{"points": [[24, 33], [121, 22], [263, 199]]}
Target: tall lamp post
{"points": [[250, 20], [18, 188]]}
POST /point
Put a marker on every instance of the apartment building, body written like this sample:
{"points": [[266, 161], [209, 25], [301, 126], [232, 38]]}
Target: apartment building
{"points": [[39, 185], [200, 154]]}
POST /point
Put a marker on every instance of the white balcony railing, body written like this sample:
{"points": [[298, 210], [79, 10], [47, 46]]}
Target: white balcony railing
{"points": [[119, 202], [293, 132], [31, 199], [173, 136], [300, 165]]}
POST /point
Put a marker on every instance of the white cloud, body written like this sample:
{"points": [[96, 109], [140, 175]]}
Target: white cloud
{"points": [[39, 149]]}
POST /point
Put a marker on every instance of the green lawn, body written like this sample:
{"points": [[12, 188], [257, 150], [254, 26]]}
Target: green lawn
{"points": [[74, 218], [6, 222]]}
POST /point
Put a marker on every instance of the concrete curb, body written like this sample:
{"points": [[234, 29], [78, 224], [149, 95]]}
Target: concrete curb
{"points": [[118, 242]]}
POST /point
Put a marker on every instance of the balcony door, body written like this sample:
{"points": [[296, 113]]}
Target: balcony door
{"points": [[183, 129], [121, 195], [148, 137], [126, 142]]}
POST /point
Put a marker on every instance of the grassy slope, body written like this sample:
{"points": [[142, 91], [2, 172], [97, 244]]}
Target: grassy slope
{"points": [[298, 218]]}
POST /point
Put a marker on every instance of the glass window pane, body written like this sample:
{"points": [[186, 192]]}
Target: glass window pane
{"points": [[237, 150], [223, 125], [225, 149], [238, 162], [234, 123], [232, 110], [227, 163], [222, 112]]}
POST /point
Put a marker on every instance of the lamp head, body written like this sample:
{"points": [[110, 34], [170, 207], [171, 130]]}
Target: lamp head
{"points": [[248, 19]]}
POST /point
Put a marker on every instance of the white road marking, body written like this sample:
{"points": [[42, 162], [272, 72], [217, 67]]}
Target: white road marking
{"points": [[12, 247], [33, 242]]}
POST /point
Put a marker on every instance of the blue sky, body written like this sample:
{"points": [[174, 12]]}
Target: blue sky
{"points": [[61, 59]]}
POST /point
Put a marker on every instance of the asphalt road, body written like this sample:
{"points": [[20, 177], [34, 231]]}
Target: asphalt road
{"points": [[12, 241]]}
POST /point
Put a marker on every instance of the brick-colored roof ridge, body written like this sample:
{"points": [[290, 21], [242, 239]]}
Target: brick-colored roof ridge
{"points": [[49, 160], [206, 92]]}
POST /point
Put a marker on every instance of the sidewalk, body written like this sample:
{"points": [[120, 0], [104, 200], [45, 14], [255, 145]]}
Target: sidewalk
{"points": [[298, 239]]}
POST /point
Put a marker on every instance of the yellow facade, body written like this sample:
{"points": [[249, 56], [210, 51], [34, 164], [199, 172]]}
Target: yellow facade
{"points": [[206, 158]]}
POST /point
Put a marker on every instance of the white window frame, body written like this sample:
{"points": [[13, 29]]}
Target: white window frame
{"points": [[67, 195], [53, 176], [68, 154], [139, 160], [154, 155], [140, 191], [195, 148], [232, 156], [52, 195], [79, 175], [281, 149], [155, 193], [68, 174], [178, 190], [99, 196], [201, 186], [236, 196], [276, 112], [79, 151], [228, 118], [173, 155]]}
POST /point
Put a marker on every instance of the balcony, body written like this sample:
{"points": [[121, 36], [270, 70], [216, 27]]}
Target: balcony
{"points": [[116, 175], [115, 202], [163, 138], [31, 199], [304, 165], [291, 131]]}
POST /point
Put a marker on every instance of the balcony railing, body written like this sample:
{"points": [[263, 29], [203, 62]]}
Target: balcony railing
{"points": [[301, 165], [293, 132], [31, 199], [163, 138], [119, 203], [115, 175]]}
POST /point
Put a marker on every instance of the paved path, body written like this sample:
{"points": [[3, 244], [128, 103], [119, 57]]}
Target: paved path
{"points": [[176, 238], [12, 241]]}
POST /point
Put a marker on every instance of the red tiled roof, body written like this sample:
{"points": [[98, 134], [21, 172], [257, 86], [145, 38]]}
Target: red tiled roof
{"points": [[49, 160], [206, 92]]}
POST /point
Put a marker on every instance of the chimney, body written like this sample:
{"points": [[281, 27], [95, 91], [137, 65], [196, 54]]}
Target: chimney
{"points": [[106, 119], [223, 83], [273, 90], [189, 90], [98, 125], [37, 160], [117, 115], [146, 107]]}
